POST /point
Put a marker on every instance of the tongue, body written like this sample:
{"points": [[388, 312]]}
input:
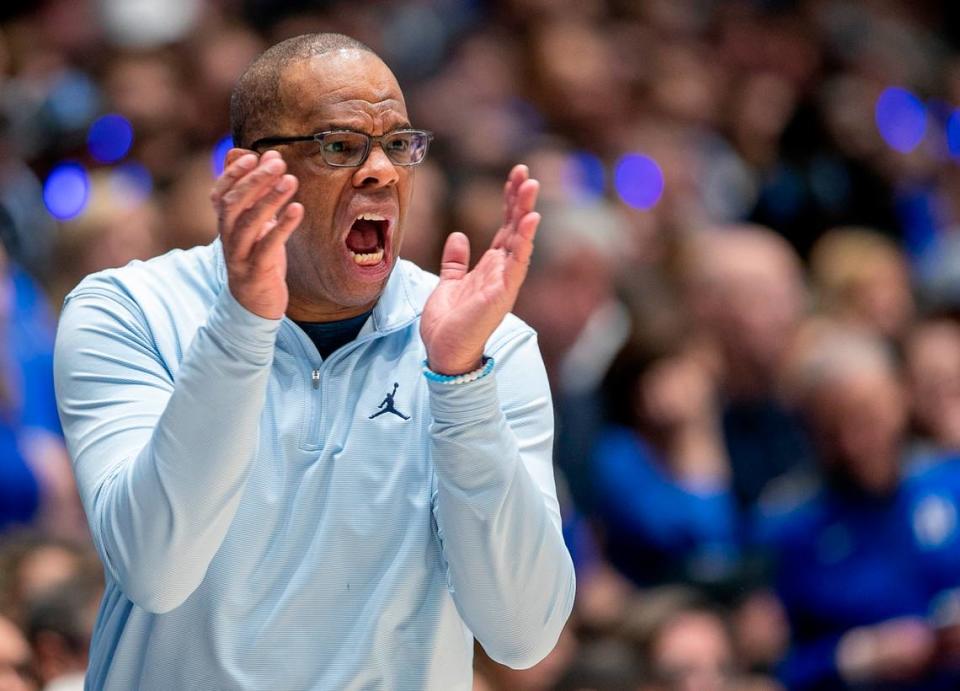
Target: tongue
{"points": [[363, 237]]}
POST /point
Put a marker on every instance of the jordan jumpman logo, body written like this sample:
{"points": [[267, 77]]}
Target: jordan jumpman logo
{"points": [[386, 406]]}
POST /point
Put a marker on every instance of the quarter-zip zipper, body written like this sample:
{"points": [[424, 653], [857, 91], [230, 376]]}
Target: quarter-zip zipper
{"points": [[312, 430]]}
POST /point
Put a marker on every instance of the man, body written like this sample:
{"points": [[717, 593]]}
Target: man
{"points": [[258, 527], [744, 288], [863, 559]]}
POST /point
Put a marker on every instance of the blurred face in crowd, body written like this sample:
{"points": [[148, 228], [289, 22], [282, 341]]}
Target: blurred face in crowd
{"points": [[884, 300], [693, 652], [573, 61], [933, 372], [355, 90], [863, 278], [858, 420], [748, 295], [14, 659], [44, 567]]}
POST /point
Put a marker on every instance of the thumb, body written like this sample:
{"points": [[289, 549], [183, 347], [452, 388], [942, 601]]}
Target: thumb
{"points": [[456, 257]]}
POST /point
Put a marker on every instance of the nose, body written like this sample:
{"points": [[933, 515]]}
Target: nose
{"points": [[377, 171]]}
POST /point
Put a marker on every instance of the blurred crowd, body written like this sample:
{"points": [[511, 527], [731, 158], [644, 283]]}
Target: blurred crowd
{"points": [[746, 288]]}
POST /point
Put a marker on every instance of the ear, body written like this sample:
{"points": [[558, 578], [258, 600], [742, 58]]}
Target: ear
{"points": [[235, 153]]}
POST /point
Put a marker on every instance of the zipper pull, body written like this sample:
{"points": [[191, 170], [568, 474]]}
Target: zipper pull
{"points": [[315, 376]]}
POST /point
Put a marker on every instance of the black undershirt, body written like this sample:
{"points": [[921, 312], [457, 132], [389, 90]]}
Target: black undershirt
{"points": [[329, 336]]}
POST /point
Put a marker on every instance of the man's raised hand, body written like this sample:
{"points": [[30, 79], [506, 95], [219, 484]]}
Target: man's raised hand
{"points": [[254, 226], [466, 306]]}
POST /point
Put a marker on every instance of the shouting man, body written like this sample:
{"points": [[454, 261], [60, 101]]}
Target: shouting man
{"points": [[261, 526]]}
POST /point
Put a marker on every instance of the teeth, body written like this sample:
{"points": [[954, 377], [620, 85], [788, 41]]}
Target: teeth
{"points": [[369, 258], [369, 216]]}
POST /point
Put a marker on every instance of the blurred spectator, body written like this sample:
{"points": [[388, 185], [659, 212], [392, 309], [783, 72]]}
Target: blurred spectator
{"points": [[59, 625], [606, 664], [119, 225], [686, 643], [32, 563], [932, 355], [745, 292], [26, 229], [149, 90], [660, 469], [861, 557], [220, 56], [37, 482], [569, 297], [188, 217], [16, 663], [862, 278]]}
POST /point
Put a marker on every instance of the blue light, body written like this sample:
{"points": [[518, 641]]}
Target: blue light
{"points": [[583, 175], [639, 181], [220, 150], [110, 138], [953, 133], [901, 119], [66, 190]]}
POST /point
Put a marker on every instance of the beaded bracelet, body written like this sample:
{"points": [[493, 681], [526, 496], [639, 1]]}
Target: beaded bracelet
{"points": [[466, 378]]}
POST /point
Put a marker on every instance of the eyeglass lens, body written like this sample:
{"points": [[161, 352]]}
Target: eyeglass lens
{"points": [[351, 148]]}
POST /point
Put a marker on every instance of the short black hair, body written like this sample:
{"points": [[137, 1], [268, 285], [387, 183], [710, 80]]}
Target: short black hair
{"points": [[257, 93]]}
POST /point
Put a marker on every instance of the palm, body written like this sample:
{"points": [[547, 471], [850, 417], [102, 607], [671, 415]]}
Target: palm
{"points": [[467, 306]]}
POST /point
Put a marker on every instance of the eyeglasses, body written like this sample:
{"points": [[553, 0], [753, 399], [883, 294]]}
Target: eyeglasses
{"points": [[349, 149]]}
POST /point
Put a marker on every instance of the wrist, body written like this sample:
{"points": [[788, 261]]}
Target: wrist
{"points": [[453, 368], [480, 372], [855, 655]]}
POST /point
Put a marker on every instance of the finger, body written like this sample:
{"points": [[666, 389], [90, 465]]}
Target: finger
{"points": [[520, 245], [288, 222], [526, 200], [233, 172], [249, 188], [518, 175], [250, 225], [514, 179], [456, 257]]}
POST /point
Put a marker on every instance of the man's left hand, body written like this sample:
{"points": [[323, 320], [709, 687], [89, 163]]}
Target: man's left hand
{"points": [[467, 306]]}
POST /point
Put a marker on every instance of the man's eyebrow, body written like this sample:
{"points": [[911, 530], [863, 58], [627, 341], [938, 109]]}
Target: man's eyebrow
{"points": [[335, 125]]}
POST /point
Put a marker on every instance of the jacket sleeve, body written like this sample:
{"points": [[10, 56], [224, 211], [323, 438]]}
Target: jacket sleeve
{"points": [[642, 500], [160, 460], [812, 664], [496, 509]]}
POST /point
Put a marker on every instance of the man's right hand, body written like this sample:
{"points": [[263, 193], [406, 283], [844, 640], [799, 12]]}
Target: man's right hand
{"points": [[254, 226], [893, 650]]}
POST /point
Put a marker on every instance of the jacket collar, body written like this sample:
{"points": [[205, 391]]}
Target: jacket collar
{"points": [[396, 307]]}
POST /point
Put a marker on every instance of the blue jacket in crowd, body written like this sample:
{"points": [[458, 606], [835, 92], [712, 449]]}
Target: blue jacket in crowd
{"points": [[656, 528], [26, 371], [844, 559]]}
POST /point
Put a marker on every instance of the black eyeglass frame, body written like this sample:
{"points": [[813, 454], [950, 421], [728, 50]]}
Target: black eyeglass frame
{"points": [[370, 139]]}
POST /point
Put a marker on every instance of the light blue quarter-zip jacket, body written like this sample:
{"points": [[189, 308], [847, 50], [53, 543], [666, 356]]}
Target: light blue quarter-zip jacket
{"points": [[261, 530]]}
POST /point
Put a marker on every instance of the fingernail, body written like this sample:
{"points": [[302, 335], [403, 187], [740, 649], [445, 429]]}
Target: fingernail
{"points": [[247, 161], [274, 166], [284, 185]]}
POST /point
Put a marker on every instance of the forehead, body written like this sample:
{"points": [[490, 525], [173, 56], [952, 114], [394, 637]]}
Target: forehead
{"points": [[343, 86]]}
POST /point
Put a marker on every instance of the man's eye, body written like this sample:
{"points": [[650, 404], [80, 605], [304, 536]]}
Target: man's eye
{"points": [[399, 144]]}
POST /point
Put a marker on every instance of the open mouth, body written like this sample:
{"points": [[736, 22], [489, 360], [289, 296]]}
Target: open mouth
{"points": [[367, 238]]}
